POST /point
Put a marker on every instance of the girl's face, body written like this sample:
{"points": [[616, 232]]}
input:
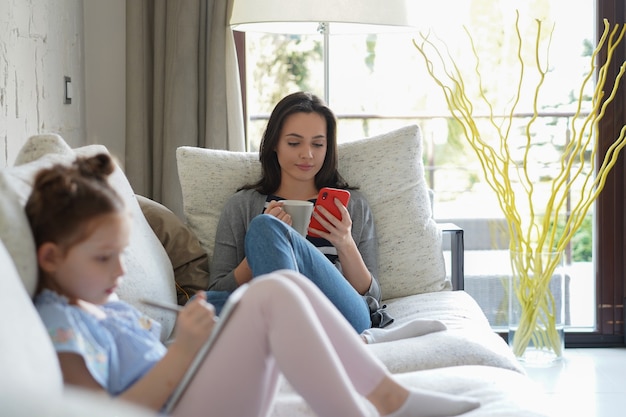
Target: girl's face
{"points": [[91, 269], [301, 147]]}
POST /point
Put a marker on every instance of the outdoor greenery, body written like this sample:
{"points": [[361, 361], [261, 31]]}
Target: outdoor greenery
{"points": [[282, 65], [582, 240]]}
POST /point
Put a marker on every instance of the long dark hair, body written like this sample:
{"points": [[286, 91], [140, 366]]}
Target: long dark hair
{"points": [[300, 102]]}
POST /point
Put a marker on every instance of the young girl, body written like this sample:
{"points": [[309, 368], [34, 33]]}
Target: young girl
{"points": [[81, 229]]}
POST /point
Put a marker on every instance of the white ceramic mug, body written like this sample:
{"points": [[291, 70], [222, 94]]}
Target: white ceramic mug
{"points": [[300, 212]]}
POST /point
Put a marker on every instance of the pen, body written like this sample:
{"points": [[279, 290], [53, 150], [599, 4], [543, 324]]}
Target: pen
{"points": [[159, 304]]}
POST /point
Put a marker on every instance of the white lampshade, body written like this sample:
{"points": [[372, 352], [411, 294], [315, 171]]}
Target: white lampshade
{"points": [[324, 17], [304, 16]]}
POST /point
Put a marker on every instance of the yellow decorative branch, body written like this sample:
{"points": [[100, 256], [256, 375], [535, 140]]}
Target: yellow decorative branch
{"points": [[535, 234]]}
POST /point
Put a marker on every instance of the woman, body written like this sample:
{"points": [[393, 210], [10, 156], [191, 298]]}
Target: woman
{"points": [[298, 155]]}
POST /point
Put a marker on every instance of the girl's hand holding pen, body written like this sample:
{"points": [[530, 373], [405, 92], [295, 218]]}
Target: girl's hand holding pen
{"points": [[194, 323]]}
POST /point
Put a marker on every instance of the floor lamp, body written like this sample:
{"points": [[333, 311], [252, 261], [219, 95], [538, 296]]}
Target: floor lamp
{"points": [[325, 17]]}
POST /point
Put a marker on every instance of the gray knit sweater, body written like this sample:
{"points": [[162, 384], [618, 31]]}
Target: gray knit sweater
{"points": [[246, 204]]}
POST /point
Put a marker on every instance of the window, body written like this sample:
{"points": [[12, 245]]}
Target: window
{"points": [[379, 83]]}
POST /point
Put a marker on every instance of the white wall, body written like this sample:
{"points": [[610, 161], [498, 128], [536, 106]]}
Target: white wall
{"points": [[41, 41]]}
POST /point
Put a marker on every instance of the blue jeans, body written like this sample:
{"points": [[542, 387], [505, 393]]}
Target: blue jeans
{"points": [[217, 299], [271, 245]]}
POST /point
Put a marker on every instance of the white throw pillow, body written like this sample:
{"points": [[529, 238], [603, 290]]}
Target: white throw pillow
{"points": [[208, 178], [149, 271], [388, 170], [15, 232], [27, 357]]}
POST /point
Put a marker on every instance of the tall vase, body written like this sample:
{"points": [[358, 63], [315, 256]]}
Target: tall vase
{"points": [[536, 307]]}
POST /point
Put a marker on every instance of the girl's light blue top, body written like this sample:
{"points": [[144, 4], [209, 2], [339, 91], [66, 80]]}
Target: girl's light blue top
{"points": [[118, 350]]}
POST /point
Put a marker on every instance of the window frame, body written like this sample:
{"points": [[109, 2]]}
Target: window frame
{"points": [[611, 210]]}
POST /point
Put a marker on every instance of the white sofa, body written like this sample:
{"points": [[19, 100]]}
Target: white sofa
{"points": [[467, 358]]}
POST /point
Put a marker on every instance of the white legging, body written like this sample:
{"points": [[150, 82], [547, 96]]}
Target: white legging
{"points": [[284, 323]]}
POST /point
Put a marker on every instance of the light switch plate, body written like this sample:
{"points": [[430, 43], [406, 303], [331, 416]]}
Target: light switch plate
{"points": [[67, 99]]}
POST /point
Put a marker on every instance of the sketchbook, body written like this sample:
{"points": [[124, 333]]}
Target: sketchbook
{"points": [[227, 311]]}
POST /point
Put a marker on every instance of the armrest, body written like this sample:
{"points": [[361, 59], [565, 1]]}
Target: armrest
{"points": [[457, 258]]}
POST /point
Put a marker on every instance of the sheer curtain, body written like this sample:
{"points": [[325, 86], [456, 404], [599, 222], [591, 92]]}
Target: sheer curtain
{"points": [[182, 90]]}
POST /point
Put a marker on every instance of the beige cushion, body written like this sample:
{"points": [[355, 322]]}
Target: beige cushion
{"points": [[389, 171], [189, 260], [148, 269]]}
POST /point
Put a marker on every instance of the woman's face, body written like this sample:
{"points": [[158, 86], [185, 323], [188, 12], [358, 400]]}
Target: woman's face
{"points": [[301, 147]]}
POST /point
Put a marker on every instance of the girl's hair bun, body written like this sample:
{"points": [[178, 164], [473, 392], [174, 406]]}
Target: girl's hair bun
{"points": [[98, 166]]}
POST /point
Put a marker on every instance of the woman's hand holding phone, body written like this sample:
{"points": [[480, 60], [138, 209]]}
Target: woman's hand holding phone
{"points": [[331, 219], [337, 232]]}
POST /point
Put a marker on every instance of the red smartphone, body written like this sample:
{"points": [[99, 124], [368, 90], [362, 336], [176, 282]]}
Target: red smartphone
{"points": [[326, 199]]}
